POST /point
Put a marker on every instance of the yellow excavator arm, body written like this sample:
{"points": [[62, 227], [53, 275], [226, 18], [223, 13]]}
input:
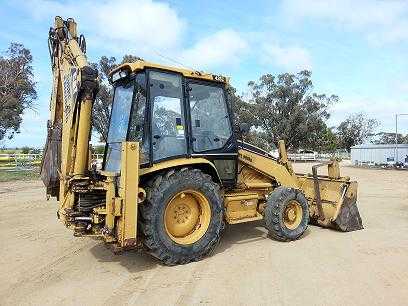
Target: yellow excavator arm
{"points": [[65, 166], [75, 85]]}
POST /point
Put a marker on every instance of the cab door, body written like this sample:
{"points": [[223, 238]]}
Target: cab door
{"points": [[167, 115], [211, 134]]}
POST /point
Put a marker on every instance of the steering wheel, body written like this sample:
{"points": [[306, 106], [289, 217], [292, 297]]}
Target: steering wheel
{"points": [[209, 140]]}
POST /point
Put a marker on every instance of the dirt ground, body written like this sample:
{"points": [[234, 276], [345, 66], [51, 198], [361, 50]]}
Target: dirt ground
{"points": [[41, 262]]}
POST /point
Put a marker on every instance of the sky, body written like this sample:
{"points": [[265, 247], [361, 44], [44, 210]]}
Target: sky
{"points": [[355, 49]]}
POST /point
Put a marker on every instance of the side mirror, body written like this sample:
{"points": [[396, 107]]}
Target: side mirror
{"points": [[244, 128]]}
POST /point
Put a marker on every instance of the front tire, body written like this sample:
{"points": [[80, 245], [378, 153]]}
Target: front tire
{"points": [[286, 214], [182, 217]]}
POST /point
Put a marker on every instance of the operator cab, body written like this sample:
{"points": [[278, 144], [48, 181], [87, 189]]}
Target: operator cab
{"points": [[172, 114]]}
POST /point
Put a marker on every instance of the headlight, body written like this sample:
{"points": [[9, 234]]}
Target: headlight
{"points": [[119, 75], [116, 76]]}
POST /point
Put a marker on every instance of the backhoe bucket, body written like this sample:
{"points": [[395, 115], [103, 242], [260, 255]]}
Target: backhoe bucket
{"points": [[332, 199]]}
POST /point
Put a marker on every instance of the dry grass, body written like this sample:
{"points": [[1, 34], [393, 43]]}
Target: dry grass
{"points": [[21, 175]]}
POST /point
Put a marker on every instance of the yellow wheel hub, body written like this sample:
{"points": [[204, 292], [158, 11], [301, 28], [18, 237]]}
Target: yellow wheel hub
{"points": [[187, 217], [293, 214]]}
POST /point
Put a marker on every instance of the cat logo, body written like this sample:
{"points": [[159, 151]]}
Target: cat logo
{"points": [[246, 157]]}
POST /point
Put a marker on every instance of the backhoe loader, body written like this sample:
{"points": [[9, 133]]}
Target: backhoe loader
{"points": [[174, 170]]}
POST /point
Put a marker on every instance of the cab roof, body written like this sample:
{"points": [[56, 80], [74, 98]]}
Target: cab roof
{"points": [[141, 64]]}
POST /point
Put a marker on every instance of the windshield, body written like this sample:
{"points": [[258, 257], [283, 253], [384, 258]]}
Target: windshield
{"points": [[120, 113], [118, 126]]}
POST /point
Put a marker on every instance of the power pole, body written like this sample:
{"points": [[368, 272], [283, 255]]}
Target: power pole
{"points": [[396, 136]]}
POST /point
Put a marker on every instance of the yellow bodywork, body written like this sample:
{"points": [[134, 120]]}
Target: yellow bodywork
{"points": [[242, 206], [141, 65], [71, 107], [115, 219], [259, 175], [178, 162], [128, 191]]}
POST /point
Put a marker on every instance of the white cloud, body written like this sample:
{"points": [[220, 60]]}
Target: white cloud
{"points": [[380, 108], [291, 58], [141, 25], [221, 48], [380, 21], [143, 22], [147, 28]]}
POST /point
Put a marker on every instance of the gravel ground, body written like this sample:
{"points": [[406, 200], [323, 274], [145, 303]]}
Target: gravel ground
{"points": [[41, 263]]}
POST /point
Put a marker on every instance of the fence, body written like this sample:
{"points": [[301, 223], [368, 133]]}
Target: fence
{"points": [[302, 157], [19, 161], [310, 157]]}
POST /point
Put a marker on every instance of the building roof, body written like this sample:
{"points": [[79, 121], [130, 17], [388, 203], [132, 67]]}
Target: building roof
{"points": [[379, 146]]}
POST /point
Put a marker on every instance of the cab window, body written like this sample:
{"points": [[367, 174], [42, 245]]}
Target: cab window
{"points": [[168, 125], [211, 126], [137, 126], [122, 102]]}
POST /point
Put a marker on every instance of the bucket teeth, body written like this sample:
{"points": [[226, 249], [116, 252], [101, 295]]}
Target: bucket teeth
{"points": [[349, 219]]}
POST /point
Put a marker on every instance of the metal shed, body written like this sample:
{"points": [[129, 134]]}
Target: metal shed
{"points": [[379, 154]]}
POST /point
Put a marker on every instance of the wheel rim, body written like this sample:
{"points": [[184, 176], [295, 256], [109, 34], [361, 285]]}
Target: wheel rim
{"points": [[293, 214], [187, 217]]}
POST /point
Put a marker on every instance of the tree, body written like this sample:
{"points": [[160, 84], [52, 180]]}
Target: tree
{"points": [[258, 139], [284, 107], [354, 130], [242, 113], [238, 106], [25, 150], [102, 105], [17, 88], [389, 138], [327, 141]]}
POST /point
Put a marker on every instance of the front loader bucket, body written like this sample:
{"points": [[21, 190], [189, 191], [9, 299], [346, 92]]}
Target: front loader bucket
{"points": [[348, 218], [332, 199]]}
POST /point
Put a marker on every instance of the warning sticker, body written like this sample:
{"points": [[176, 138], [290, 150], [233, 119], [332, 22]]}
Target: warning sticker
{"points": [[180, 132]]}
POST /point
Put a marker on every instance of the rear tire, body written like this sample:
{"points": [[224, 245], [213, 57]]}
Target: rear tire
{"points": [[286, 214], [182, 217]]}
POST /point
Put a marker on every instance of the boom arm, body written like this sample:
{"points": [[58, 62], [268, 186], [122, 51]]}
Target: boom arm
{"points": [[89, 203], [75, 85]]}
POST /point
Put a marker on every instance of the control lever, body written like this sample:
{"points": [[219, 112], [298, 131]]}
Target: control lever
{"points": [[156, 137]]}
